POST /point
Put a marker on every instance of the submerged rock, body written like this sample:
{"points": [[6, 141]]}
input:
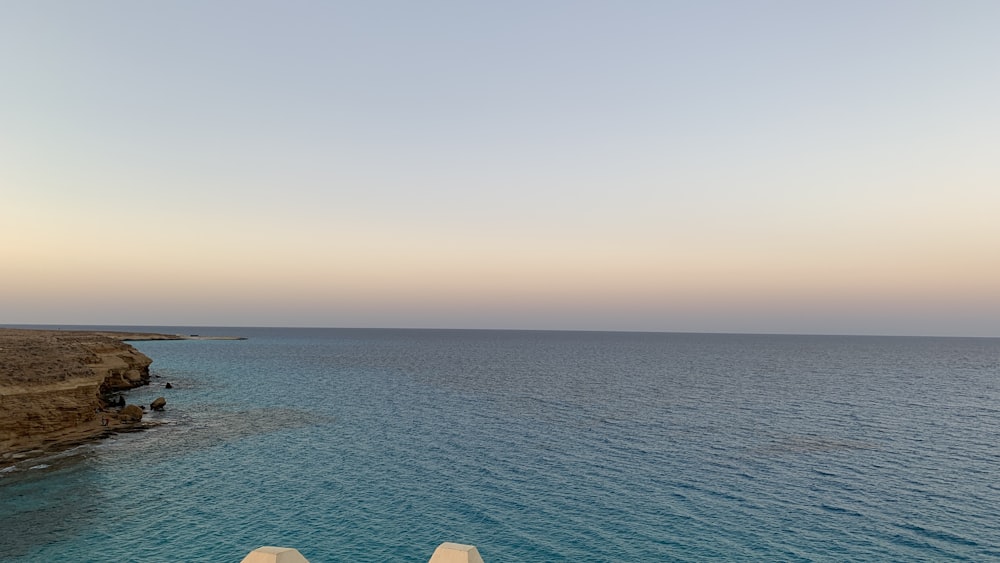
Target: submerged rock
{"points": [[158, 404]]}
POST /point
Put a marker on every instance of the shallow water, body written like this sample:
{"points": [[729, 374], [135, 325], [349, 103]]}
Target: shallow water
{"points": [[376, 445]]}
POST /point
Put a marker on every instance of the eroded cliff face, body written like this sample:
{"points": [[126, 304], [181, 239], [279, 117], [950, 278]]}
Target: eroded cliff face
{"points": [[52, 383]]}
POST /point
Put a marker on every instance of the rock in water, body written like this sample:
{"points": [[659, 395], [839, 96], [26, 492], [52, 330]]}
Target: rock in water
{"points": [[131, 413], [158, 404], [168, 386]]}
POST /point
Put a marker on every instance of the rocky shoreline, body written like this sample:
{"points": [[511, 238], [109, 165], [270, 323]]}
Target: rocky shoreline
{"points": [[57, 387]]}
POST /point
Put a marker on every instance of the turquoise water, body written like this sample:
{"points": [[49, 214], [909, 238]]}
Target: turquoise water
{"points": [[376, 445]]}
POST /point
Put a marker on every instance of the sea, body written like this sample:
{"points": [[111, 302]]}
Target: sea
{"points": [[378, 445]]}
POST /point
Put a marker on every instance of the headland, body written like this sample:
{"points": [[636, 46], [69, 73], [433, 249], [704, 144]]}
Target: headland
{"points": [[56, 387]]}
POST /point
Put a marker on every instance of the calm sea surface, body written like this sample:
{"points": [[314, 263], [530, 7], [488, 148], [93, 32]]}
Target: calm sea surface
{"points": [[377, 445]]}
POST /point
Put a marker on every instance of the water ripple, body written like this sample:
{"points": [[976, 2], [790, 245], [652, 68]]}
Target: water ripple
{"points": [[378, 445]]}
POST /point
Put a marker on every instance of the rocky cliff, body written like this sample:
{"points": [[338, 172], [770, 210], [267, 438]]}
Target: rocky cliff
{"points": [[53, 386]]}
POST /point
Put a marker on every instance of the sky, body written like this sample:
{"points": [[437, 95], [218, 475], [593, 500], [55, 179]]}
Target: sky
{"points": [[703, 166]]}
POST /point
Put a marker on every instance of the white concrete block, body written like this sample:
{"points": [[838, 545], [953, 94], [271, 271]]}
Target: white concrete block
{"points": [[269, 554], [455, 553]]}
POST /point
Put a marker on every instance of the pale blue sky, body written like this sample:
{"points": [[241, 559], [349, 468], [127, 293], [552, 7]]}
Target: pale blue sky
{"points": [[717, 166]]}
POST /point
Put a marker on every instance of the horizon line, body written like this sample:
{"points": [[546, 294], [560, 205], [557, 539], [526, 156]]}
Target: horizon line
{"points": [[456, 329]]}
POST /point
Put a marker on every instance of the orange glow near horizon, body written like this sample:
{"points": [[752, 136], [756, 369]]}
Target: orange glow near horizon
{"points": [[490, 276]]}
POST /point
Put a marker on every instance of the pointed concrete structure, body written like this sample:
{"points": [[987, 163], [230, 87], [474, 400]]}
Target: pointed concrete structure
{"points": [[268, 554], [456, 553]]}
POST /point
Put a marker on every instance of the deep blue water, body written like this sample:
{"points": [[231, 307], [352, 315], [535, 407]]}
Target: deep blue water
{"points": [[377, 445]]}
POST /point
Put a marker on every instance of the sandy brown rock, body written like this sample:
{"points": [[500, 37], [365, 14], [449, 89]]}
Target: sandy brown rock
{"points": [[130, 414], [52, 383]]}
